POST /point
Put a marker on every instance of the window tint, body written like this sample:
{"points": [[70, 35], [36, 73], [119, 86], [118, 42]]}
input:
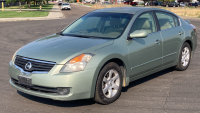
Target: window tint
{"points": [[165, 20], [144, 22], [176, 21], [99, 24]]}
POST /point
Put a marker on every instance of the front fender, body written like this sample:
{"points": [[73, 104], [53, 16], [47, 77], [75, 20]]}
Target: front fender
{"points": [[100, 66]]}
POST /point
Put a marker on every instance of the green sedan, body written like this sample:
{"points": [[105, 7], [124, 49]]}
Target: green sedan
{"points": [[101, 52]]}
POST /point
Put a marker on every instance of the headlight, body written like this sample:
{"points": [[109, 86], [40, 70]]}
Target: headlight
{"points": [[77, 63], [15, 54]]}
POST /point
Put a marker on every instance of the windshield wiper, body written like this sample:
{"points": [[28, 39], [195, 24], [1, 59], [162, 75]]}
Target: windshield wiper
{"points": [[60, 33], [82, 36]]}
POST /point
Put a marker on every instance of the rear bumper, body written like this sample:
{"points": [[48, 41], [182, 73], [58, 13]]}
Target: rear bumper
{"points": [[65, 7], [80, 83]]}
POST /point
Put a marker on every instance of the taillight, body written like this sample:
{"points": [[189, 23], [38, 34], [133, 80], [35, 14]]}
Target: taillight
{"points": [[194, 28]]}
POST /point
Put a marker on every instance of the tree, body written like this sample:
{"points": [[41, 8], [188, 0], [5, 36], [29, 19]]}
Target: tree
{"points": [[49, 0], [8, 2]]}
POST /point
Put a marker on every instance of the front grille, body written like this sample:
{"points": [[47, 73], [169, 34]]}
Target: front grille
{"points": [[37, 65], [53, 91]]}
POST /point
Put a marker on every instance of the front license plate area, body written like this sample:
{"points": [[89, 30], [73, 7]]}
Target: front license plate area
{"points": [[25, 80]]}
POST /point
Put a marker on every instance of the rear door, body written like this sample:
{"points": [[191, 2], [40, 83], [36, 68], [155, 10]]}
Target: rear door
{"points": [[171, 33]]}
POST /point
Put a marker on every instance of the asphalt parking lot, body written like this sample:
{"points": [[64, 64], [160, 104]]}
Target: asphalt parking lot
{"points": [[167, 91]]}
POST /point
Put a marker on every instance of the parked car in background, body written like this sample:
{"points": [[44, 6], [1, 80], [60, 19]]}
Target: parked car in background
{"points": [[101, 52], [156, 3], [193, 4], [93, 2], [66, 6], [131, 3], [182, 4], [60, 2], [173, 4]]}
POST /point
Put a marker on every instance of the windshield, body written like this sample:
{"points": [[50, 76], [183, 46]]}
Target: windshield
{"points": [[65, 4], [99, 25]]}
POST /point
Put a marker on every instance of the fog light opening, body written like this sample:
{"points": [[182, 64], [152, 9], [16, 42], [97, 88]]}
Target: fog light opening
{"points": [[63, 91]]}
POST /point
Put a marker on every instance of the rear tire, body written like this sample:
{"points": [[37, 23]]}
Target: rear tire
{"points": [[184, 57], [109, 84]]}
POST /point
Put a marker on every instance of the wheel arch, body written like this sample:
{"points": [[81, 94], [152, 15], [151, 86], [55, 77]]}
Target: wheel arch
{"points": [[118, 59], [190, 43]]}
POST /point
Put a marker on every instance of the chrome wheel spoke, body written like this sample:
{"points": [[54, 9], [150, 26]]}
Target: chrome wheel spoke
{"points": [[105, 79], [115, 87], [115, 77], [105, 90], [187, 59], [110, 92], [110, 74]]}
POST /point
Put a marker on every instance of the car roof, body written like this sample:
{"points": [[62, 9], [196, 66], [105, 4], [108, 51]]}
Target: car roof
{"points": [[130, 10]]}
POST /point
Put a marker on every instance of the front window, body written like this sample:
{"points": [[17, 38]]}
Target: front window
{"points": [[99, 25], [144, 22]]}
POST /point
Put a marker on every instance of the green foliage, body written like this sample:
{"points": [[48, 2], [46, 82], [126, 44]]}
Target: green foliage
{"points": [[8, 1], [75, 1], [44, 7], [71, 1], [80, 0]]}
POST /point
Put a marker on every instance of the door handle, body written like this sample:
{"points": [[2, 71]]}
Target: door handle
{"points": [[158, 42], [180, 33]]}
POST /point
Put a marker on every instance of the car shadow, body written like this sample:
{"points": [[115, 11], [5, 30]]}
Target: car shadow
{"points": [[65, 9], [86, 102], [58, 103], [147, 78]]}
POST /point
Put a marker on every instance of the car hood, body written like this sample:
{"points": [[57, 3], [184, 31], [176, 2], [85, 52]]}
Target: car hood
{"points": [[57, 48]]}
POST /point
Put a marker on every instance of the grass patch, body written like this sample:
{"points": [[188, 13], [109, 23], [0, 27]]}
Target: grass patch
{"points": [[181, 11], [185, 11], [89, 4], [44, 7], [13, 14]]}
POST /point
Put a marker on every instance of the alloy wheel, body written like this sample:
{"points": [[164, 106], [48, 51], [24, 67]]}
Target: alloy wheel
{"points": [[185, 56], [110, 83]]}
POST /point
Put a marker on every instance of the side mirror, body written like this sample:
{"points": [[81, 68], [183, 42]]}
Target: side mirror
{"points": [[138, 34]]}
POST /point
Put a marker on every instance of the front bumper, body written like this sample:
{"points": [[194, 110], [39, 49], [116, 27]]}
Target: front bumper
{"points": [[80, 83]]}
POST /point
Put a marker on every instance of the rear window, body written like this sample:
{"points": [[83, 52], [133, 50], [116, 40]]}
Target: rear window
{"points": [[165, 20]]}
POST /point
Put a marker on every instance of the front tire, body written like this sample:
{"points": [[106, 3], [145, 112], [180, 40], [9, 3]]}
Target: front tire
{"points": [[109, 84], [184, 57]]}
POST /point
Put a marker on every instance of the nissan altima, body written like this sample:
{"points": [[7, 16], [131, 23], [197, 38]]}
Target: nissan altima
{"points": [[101, 52]]}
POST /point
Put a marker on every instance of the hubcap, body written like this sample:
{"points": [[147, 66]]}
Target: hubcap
{"points": [[185, 56], [110, 83]]}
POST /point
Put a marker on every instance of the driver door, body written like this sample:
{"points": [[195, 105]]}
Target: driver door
{"points": [[145, 54]]}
